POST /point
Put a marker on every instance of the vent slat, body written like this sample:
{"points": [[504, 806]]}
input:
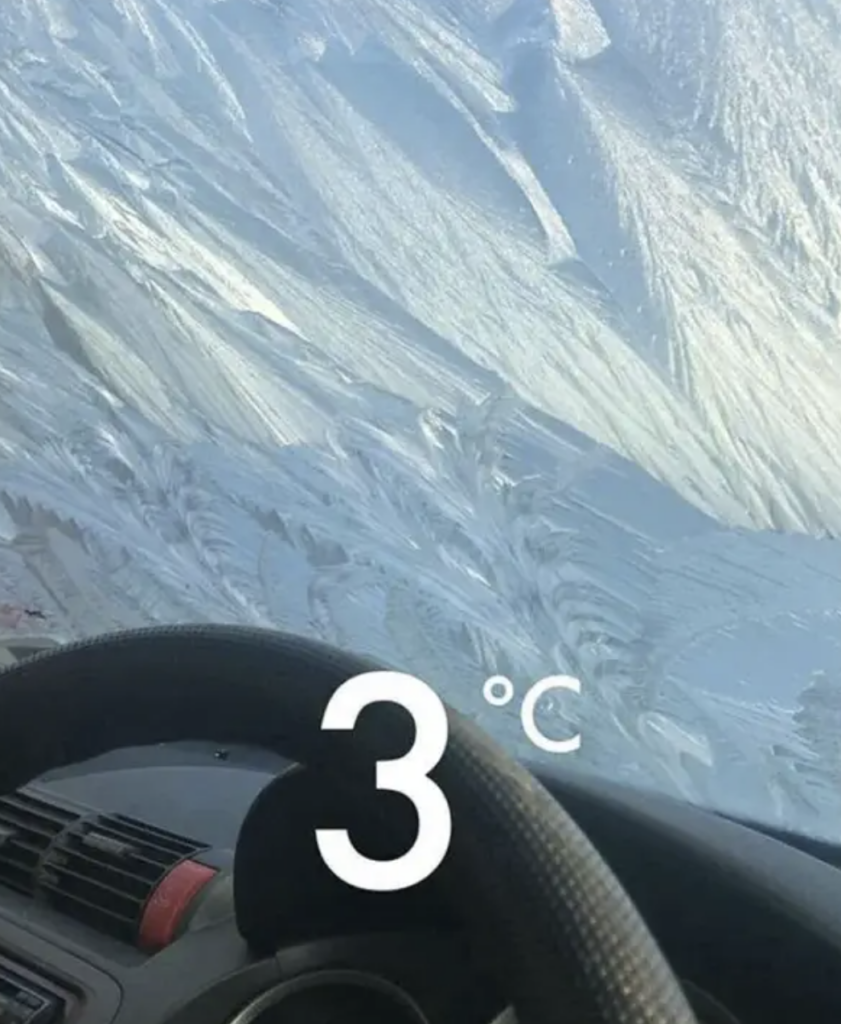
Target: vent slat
{"points": [[22, 843], [163, 843], [77, 887], [15, 876], [103, 876], [71, 854], [30, 805], [104, 920], [96, 910], [143, 855]]}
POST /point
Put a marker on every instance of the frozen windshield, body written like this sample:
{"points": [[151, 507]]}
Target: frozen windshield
{"points": [[486, 337]]}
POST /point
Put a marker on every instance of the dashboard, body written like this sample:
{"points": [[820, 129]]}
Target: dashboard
{"points": [[117, 892]]}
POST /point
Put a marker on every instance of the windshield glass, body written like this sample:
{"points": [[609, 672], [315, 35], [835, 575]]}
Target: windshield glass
{"points": [[486, 337]]}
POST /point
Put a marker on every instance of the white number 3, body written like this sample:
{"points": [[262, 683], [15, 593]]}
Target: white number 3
{"points": [[408, 775]]}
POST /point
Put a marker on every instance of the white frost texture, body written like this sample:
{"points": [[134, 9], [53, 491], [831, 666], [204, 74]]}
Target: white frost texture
{"points": [[479, 336]]}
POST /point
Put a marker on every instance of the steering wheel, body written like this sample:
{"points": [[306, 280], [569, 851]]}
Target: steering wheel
{"points": [[571, 944]]}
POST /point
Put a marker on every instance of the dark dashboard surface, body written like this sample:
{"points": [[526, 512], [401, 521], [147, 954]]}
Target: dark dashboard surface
{"points": [[743, 915]]}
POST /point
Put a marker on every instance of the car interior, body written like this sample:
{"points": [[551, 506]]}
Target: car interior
{"points": [[157, 864]]}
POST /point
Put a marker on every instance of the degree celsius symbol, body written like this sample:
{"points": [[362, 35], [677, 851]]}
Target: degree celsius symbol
{"points": [[499, 691]]}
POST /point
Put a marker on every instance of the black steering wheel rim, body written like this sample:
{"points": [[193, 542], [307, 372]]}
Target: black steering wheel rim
{"points": [[519, 864]]}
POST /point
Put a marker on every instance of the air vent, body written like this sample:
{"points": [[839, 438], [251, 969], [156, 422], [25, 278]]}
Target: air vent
{"points": [[103, 870], [28, 826]]}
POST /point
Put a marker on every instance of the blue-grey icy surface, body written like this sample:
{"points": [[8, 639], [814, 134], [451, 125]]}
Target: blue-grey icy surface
{"points": [[484, 337]]}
